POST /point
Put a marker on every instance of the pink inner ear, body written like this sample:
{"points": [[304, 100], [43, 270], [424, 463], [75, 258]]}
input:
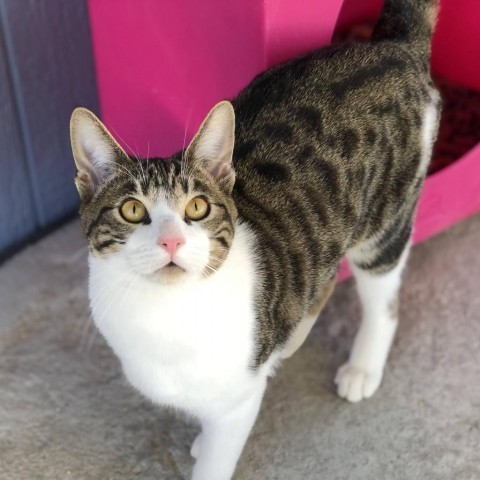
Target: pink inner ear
{"points": [[220, 170]]}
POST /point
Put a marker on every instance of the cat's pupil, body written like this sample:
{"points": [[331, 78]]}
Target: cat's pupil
{"points": [[196, 206], [134, 208]]}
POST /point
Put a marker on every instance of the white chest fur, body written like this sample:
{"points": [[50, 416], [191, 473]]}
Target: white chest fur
{"points": [[187, 345]]}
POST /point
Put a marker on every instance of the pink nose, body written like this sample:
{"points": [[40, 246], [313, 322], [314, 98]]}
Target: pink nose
{"points": [[171, 243]]}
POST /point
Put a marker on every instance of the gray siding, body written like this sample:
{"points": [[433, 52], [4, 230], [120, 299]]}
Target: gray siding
{"points": [[17, 215], [50, 65]]}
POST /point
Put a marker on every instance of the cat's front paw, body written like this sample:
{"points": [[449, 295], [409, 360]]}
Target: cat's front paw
{"points": [[356, 383], [195, 450]]}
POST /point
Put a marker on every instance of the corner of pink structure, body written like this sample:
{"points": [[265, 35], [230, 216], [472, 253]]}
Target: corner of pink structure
{"points": [[456, 45], [162, 65], [449, 196], [291, 31]]}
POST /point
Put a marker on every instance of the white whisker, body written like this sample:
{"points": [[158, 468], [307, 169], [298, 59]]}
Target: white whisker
{"points": [[187, 124], [137, 164], [122, 140], [213, 269], [109, 286], [120, 290], [121, 167], [83, 331], [142, 172], [148, 154]]}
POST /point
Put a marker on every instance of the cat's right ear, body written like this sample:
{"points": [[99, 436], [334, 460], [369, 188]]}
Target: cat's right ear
{"points": [[95, 151]]}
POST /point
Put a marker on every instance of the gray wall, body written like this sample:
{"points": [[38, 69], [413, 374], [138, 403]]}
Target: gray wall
{"points": [[46, 69]]}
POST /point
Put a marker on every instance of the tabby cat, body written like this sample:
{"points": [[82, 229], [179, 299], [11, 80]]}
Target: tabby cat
{"points": [[209, 267]]}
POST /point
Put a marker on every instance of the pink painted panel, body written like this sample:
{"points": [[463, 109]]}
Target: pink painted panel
{"points": [[161, 65], [354, 12], [449, 196], [293, 28], [456, 46]]}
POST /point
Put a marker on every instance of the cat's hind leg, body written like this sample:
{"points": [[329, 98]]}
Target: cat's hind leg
{"points": [[377, 268]]}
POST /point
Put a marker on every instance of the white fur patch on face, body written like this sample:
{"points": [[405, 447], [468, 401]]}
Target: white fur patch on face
{"points": [[145, 256]]}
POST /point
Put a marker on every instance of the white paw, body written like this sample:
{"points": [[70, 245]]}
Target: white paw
{"points": [[356, 383], [195, 450]]}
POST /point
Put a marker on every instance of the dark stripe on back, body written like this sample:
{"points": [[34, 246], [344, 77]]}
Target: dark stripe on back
{"points": [[273, 172], [361, 77], [329, 176], [279, 131], [244, 149], [312, 118], [349, 142]]}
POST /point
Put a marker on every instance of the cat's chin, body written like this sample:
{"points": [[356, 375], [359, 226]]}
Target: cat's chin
{"points": [[169, 274]]}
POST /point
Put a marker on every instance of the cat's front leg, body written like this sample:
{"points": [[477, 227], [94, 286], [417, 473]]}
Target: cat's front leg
{"points": [[223, 437]]}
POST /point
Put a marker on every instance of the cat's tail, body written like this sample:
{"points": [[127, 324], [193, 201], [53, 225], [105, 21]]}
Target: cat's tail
{"points": [[410, 21]]}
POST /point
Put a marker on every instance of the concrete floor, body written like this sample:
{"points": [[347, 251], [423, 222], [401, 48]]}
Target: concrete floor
{"points": [[67, 413]]}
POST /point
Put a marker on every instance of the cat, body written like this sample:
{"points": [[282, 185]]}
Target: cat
{"points": [[210, 267]]}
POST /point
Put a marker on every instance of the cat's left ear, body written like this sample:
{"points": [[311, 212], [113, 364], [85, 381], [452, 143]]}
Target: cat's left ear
{"points": [[212, 146]]}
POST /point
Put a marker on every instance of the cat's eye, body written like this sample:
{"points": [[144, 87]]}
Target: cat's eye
{"points": [[197, 208], [133, 211]]}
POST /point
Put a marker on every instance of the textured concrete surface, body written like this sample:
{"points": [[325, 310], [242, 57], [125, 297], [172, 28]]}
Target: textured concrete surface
{"points": [[67, 413]]}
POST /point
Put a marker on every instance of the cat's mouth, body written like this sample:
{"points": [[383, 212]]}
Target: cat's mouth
{"points": [[169, 273], [172, 266]]}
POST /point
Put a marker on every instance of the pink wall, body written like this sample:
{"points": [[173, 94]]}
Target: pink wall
{"points": [[456, 50], [161, 65]]}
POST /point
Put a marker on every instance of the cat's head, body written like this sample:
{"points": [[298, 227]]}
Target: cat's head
{"points": [[163, 218]]}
